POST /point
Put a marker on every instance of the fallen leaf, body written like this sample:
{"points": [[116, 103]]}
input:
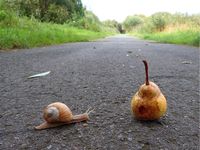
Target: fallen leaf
{"points": [[39, 75]]}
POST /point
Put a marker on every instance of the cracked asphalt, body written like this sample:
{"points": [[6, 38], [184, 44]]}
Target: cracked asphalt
{"points": [[104, 75]]}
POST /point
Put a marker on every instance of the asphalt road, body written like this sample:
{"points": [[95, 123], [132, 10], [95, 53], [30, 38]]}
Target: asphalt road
{"points": [[104, 75]]}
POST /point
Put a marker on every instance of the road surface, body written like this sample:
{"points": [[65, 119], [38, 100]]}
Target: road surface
{"points": [[104, 75]]}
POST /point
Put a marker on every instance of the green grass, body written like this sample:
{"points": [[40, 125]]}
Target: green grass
{"points": [[187, 37], [28, 33]]}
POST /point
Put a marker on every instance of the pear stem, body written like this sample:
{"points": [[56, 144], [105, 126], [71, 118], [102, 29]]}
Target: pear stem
{"points": [[146, 71]]}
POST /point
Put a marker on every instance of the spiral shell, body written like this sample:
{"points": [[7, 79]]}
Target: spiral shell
{"points": [[57, 112]]}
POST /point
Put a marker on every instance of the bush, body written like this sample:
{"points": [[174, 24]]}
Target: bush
{"points": [[2, 15], [8, 19], [56, 14], [113, 24]]}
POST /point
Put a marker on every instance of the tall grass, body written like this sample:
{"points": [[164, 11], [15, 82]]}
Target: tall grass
{"points": [[31, 33], [169, 28], [23, 32], [187, 37]]}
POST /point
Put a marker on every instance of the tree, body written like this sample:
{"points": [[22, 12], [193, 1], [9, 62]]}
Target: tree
{"points": [[132, 21], [56, 14]]}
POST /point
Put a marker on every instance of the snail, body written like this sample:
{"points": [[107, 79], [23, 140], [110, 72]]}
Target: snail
{"points": [[57, 114], [148, 103]]}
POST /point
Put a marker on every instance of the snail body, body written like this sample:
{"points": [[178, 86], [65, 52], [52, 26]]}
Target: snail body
{"points": [[57, 114], [148, 103]]}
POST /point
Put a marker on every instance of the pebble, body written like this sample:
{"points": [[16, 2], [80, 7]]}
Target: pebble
{"points": [[120, 137], [132, 66], [85, 125], [49, 147], [130, 139], [16, 138], [142, 145], [24, 146], [112, 126]]}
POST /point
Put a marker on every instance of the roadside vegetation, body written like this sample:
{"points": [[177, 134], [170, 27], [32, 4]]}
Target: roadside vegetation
{"points": [[32, 23], [165, 27]]}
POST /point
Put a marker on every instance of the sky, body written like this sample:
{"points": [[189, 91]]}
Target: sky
{"points": [[120, 9]]}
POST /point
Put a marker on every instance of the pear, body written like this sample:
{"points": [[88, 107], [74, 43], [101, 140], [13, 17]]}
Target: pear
{"points": [[148, 103]]}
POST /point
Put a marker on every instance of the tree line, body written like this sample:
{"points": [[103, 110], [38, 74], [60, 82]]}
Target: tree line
{"points": [[57, 11], [70, 12], [160, 21]]}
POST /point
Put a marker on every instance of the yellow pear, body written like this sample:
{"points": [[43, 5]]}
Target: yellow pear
{"points": [[148, 103]]}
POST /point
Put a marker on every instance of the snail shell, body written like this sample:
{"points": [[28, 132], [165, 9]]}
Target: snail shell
{"points": [[57, 112]]}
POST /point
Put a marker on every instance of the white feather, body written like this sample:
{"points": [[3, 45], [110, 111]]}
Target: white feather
{"points": [[39, 75]]}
